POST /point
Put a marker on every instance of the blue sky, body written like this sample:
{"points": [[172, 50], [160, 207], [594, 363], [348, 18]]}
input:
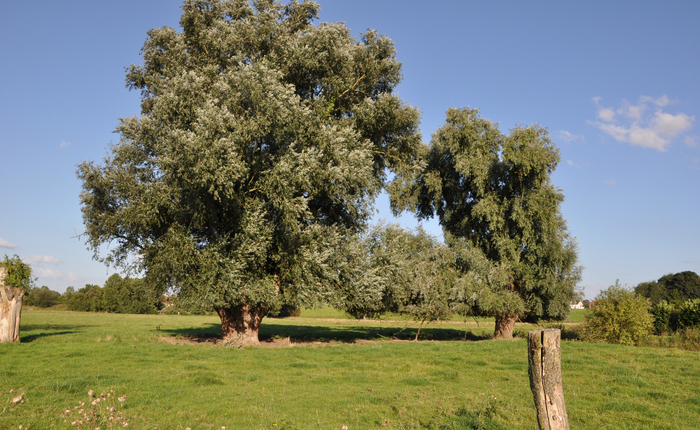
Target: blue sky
{"points": [[616, 83]]}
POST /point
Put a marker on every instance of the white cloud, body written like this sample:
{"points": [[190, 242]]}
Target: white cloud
{"points": [[606, 114], [672, 125], [633, 112], [646, 137], [617, 132], [638, 127], [690, 262], [41, 259], [5, 244], [610, 182], [43, 272], [569, 162], [692, 141], [662, 101], [569, 137], [64, 144]]}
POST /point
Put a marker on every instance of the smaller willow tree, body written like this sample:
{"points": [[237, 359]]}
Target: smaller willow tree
{"points": [[390, 269], [262, 142], [500, 213], [15, 279]]}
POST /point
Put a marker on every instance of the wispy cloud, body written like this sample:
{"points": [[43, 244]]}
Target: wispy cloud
{"points": [[5, 244], [690, 262], [692, 141], [64, 144], [41, 259], [610, 182], [569, 137], [43, 272], [637, 125]]}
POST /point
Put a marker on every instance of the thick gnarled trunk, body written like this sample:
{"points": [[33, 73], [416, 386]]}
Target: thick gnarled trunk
{"points": [[240, 324], [504, 326], [10, 310]]}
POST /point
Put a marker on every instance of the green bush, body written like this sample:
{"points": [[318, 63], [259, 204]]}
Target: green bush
{"points": [[19, 274], [665, 317], [689, 314], [619, 316]]}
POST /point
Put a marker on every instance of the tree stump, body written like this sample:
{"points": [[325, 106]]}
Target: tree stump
{"points": [[10, 310], [545, 379]]}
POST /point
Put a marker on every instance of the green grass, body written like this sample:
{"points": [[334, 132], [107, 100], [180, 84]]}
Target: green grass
{"points": [[330, 313], [577, 316], [333, 382]]}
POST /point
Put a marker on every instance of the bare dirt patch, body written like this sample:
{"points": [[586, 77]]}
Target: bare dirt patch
{"points": [[215, 341]]}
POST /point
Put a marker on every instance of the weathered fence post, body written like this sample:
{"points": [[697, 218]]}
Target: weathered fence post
{"points": [[545, 379]]}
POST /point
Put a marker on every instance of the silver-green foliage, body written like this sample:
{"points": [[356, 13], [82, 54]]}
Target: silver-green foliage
{"points": [[395, 270], [262, 142], [619, 316], [500, 213]]}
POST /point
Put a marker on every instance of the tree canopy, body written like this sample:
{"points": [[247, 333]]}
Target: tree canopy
{"points": [[500, 213], [675, 288], [262, 142], [390, 269]]}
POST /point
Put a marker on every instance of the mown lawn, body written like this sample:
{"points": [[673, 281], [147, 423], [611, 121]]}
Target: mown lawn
{"points": [[352, 373]]}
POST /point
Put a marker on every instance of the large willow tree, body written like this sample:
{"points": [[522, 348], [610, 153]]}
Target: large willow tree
{"points": [[500, 213], [262, 142]]}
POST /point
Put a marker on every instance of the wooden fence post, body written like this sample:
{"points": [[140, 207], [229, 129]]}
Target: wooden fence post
{"points": [[545, 379]]}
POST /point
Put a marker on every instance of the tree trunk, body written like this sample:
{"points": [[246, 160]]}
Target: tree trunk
{"points": [[10, 310], [240, 324], [504, 326]]}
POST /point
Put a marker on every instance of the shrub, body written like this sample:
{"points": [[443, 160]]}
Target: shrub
{"points": [[689, 314], [620, 316], [665, 317]]}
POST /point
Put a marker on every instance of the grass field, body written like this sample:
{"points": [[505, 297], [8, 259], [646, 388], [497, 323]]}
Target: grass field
{"points": [[577, 315], [339, 372]]}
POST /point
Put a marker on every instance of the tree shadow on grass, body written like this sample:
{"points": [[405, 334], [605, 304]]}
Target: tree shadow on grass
{"points": [[299, 334], [32, 337], [204, 331], [32, 327], [45, 330]]}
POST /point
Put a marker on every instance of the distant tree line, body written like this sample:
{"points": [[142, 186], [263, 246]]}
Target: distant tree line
{"points": [[674, 288], [119, 295], [675, 300], [42, 297]]}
